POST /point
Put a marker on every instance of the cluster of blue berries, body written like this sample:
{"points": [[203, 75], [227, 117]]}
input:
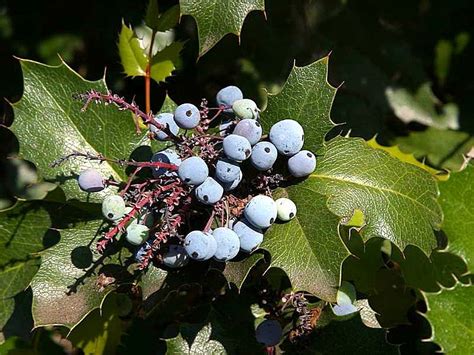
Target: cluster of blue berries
{"points": [[212, 177]]}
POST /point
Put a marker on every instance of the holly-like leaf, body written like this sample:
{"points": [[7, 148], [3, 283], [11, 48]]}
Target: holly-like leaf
{"points": [[165, 61], [217, 18], [421, 107], [397, 199], [23, 232], [100, 331], [133, 57], [308, 248], [168, 19], [395, 152], [306, 97], [452, 319], [73, 276], [7, 305], [342, 337], [441, 148], [134, 54], [237, 270], [152, 14], [218, 334], [457, 201], [49, 124], [152, 280]]}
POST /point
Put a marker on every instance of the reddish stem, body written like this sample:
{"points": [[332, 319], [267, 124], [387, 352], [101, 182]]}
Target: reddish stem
{"points": [[109, 98], [130, 179]]}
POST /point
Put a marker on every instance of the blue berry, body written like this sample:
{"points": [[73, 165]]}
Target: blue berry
{"points": [[199, 245], [137, 233], [264, 155], [209, 192], [164, 119], [193, 171], [250, 129], [236, 147], [269, 332], [113, 207], [187, 116], [212, 245], [245, 108], [229, 186], [286, 209], [228, 244], [175, 257], [167, 156], [250, 236], [91, 180], [142, 251], [261, 211], [302, 164], [287, 136], [227, 96], [227, 170]]}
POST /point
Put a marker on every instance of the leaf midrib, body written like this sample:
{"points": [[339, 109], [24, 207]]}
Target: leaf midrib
{"points": [[327, 177]]}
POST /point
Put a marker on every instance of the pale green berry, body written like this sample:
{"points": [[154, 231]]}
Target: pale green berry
{"points": [[286, 209], [245, 109], [137, 233], [113, 207]]}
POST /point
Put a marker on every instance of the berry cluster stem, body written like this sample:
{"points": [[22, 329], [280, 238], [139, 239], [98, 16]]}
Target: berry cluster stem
{"points": [[109, 98], [121, 162]]}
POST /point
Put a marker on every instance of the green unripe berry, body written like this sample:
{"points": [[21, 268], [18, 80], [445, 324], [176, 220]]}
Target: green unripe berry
{"points": [[245, 109], [137, 233], [113, 207], [286, 209]]}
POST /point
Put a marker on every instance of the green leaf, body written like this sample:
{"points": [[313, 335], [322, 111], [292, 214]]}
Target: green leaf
{"points": [[70, 271], [152, 14], [307, 98], [345, 337], [168, 105], [100, 331], [165, 61], [132, 55], [49, 124], [168, 19], [218, 334], [441, 148], [398, 201], [395, 152], [23, 231], [216, 18], [308, 248], [421, 107], [452, 319], [457, 201], [237, 270], [16, 277], [7, 305], [152, 280]]}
